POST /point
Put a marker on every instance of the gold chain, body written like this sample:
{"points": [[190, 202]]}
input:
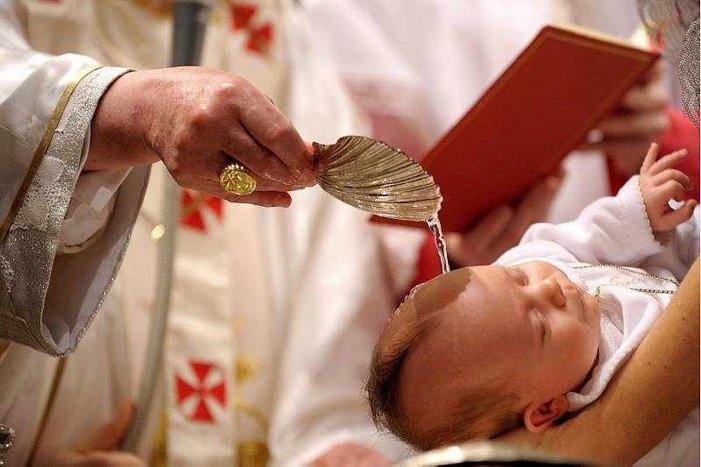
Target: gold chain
{"points": [[597, 292]]}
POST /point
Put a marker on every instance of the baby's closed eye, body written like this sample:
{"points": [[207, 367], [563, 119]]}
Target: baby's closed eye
{"points": [[542, 324]]}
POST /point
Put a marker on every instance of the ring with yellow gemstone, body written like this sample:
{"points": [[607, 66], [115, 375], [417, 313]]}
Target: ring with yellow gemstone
{"points": [[237, 180]]}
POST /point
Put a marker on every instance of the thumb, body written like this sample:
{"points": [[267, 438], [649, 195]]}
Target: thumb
{"points": [[674, 218], [107, 436]]}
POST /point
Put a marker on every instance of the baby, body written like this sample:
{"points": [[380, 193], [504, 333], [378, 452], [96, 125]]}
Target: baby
{"points": [[539, 334]]}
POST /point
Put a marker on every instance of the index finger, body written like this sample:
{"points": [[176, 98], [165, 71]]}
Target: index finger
{"points": [[650, 158], [273, 130], [667, 161]]}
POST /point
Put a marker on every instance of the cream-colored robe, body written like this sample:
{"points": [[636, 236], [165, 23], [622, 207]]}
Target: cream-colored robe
{"points": [[62, 233], [274, 312]]}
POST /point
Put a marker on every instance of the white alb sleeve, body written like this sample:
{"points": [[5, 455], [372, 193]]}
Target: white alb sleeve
{"points": [[47, 300]]}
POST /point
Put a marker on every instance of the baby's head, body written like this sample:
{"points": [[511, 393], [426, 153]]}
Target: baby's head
{"points": [[479, 351]]}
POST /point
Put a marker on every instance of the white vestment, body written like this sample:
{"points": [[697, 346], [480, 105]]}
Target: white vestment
{"points": [[274, 312], [616, 231]]}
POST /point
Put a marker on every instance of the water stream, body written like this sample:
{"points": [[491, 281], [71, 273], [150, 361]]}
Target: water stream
{"points": [[435, 225]]}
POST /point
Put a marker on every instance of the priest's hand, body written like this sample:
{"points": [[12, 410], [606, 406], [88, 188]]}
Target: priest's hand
{"points": [[99, 448], [351, 454], [197, 121], [638, 120], [503, 226]]}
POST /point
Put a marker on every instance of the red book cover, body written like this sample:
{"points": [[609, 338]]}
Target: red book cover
{"points": [[531, 117]]}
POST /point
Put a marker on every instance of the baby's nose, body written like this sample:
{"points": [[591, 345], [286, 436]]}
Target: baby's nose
{"points": [[551, 292]]}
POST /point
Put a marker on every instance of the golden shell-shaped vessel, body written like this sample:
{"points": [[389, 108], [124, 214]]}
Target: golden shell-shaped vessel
{"points": [[375, 177]]}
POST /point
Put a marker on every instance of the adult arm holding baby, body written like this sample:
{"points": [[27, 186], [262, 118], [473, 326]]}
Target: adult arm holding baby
{"points": [[635, 412]]}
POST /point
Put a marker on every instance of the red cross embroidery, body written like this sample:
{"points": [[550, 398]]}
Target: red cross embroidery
{"points": [[260, 38], [196, 398], [245, 18], [193, 203], [241, 15]]}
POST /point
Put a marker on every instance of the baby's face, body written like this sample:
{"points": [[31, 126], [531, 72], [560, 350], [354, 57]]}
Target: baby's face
{"points": [[545, 322], [527, 327]]}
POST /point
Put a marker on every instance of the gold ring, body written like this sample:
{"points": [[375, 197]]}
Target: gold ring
{"points": [[236, 179]]}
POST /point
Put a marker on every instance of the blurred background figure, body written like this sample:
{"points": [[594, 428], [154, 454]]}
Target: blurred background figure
{"points": [[414, 68]]}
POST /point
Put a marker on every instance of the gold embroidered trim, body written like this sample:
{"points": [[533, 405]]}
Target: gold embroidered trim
{"points": [[159, 453], [41, 149], [252, 454]]}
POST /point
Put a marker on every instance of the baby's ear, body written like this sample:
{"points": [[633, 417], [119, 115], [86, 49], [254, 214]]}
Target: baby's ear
{"points": [[538, 417]]}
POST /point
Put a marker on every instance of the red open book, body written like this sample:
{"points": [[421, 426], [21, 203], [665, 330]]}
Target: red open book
{"points": [[537, 111]]}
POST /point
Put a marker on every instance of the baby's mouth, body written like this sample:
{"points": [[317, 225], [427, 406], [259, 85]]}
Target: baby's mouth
{"points": [[582, 302]]}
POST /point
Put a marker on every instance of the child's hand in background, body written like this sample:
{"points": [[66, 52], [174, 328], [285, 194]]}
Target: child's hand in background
{"points": [[660, 182]]}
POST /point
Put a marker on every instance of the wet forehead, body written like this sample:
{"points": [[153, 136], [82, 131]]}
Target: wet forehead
{"points": [[441, 291], [470, 300], [489, 303], [479, 333], [483, 329]]}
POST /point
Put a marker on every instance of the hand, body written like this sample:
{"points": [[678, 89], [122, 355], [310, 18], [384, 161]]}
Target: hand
{"points": [[99, 447], [196, 120], [503, 226], [638, 120], [351, 455], [659, 183]]}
